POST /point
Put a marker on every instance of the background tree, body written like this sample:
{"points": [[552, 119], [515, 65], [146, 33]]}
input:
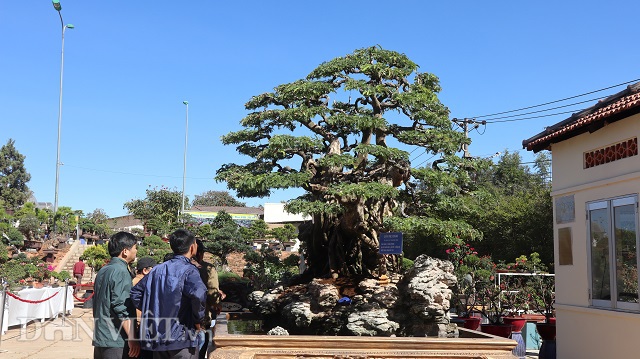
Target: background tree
{"points": [[13, 177], [159, 210], [341, 143], [65, 220], [217, 198], [153, 246], [29, 224], [96, 257], [515, 209], [225, 238], [258, 229], [285, 233]]}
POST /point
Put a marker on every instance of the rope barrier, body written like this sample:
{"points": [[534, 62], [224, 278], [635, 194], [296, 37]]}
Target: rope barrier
{"points": [[30, 301], [83, 299]]}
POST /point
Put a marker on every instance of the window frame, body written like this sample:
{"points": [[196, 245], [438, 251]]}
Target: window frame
{"points": [[610, 204]]}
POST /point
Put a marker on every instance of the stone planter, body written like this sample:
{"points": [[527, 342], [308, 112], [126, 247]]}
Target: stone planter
{"points": [[517, 323], [472, 323], [547, 332], [500, 330], [470, 344]]}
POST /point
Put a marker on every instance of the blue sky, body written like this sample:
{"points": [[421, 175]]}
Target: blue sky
{"points": [[130, 64]]}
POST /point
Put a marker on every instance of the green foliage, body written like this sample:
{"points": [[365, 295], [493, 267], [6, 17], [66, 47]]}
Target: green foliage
{"points": [[265, 268], [96, 223], [225, 276], [257, 230], [514, 211], [30, 226], [353, 179], [406, 264], [15, 237], [217, 198], [96, 256], [154, 247], [61, 276], [13, 177], [158, 210], [285, 233], [225, 238], [65, 220], [14, 270]]}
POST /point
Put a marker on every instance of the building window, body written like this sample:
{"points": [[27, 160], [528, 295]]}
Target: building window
{"points": [[613, 239]]}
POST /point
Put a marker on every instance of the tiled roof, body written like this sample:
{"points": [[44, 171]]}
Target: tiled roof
{"points": [[230, 210], [613, 108], [123, 222]]}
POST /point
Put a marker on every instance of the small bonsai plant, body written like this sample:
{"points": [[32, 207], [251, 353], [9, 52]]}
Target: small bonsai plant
{"points": [[541, 293], [515, 297], [492, 298]]}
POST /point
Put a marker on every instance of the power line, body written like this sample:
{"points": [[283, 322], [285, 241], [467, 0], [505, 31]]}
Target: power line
{"points": [[528, 118], [556, 101], [548, 109]]}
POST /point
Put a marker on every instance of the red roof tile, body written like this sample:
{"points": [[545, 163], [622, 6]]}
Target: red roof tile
{"points": [[576, 124]]}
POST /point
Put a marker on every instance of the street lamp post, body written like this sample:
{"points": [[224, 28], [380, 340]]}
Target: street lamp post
{"points": [[186, 138], [58, 7]]}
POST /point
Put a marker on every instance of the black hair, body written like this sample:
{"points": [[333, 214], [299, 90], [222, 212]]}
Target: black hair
{"points": [[168, 257], [200, 247], [120, 241], [181, 240]]}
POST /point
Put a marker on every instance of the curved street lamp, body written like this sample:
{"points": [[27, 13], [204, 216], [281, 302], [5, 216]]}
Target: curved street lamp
{"points": [[184, 169], [58, 7]]}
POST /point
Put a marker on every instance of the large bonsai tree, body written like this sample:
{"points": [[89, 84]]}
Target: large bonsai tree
{"points": [[339, 125]]}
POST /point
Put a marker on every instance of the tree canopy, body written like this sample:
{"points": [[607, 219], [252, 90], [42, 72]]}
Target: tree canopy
{"points": [[13, 177], [159, 210], [217, 198], [332, 134]]}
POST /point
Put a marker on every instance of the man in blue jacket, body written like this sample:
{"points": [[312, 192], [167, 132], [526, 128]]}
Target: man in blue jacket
{"points": [[172, 299]]}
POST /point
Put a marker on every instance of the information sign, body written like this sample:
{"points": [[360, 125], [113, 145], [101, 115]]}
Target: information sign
{"points": [[390, 243]]}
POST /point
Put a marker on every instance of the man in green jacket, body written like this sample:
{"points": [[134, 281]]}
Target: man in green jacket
{"points": [[113, 311]]}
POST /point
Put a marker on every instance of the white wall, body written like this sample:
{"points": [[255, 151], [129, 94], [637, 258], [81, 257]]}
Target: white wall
{"points": [[582, 331]]}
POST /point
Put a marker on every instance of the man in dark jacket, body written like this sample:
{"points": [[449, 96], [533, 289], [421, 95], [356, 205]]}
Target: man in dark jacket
{"points": [[113, 312], [172, 299]]}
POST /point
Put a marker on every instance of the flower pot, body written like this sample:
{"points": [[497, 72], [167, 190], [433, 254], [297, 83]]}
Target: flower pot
{"points": [[499, 330], [472, 323], [517, 323], [547, 331]]}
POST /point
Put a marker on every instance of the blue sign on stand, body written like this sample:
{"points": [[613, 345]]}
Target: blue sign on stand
{"points": [[390, 243]]}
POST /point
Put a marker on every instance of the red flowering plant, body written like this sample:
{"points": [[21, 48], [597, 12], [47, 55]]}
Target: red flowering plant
{"points": [[542, 296], [472, 271], [515, 297], [492, 296]]}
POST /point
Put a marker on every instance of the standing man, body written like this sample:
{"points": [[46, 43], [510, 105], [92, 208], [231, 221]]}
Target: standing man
{"points": [[78, 273], [209, 276], [172, 299], [113, 312]]}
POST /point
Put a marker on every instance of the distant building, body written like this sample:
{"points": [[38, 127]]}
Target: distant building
{"points": [[125, 223], [237, 213]]}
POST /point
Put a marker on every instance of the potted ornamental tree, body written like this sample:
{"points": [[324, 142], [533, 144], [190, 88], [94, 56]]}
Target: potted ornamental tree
{"points": [[492, 296], [542, 300]]}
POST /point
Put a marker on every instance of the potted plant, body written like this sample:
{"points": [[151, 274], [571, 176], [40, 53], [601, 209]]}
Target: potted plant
{"points": [[492, 296], [465, 302], [542, 300], [516, 300], [471, 271]]}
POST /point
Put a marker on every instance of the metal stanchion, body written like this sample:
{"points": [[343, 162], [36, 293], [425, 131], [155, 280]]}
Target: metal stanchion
{"points": [[4, 303], [64, 305]]}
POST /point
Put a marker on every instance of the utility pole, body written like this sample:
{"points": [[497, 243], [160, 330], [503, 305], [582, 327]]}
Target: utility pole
{"points": [[465, 124]]}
